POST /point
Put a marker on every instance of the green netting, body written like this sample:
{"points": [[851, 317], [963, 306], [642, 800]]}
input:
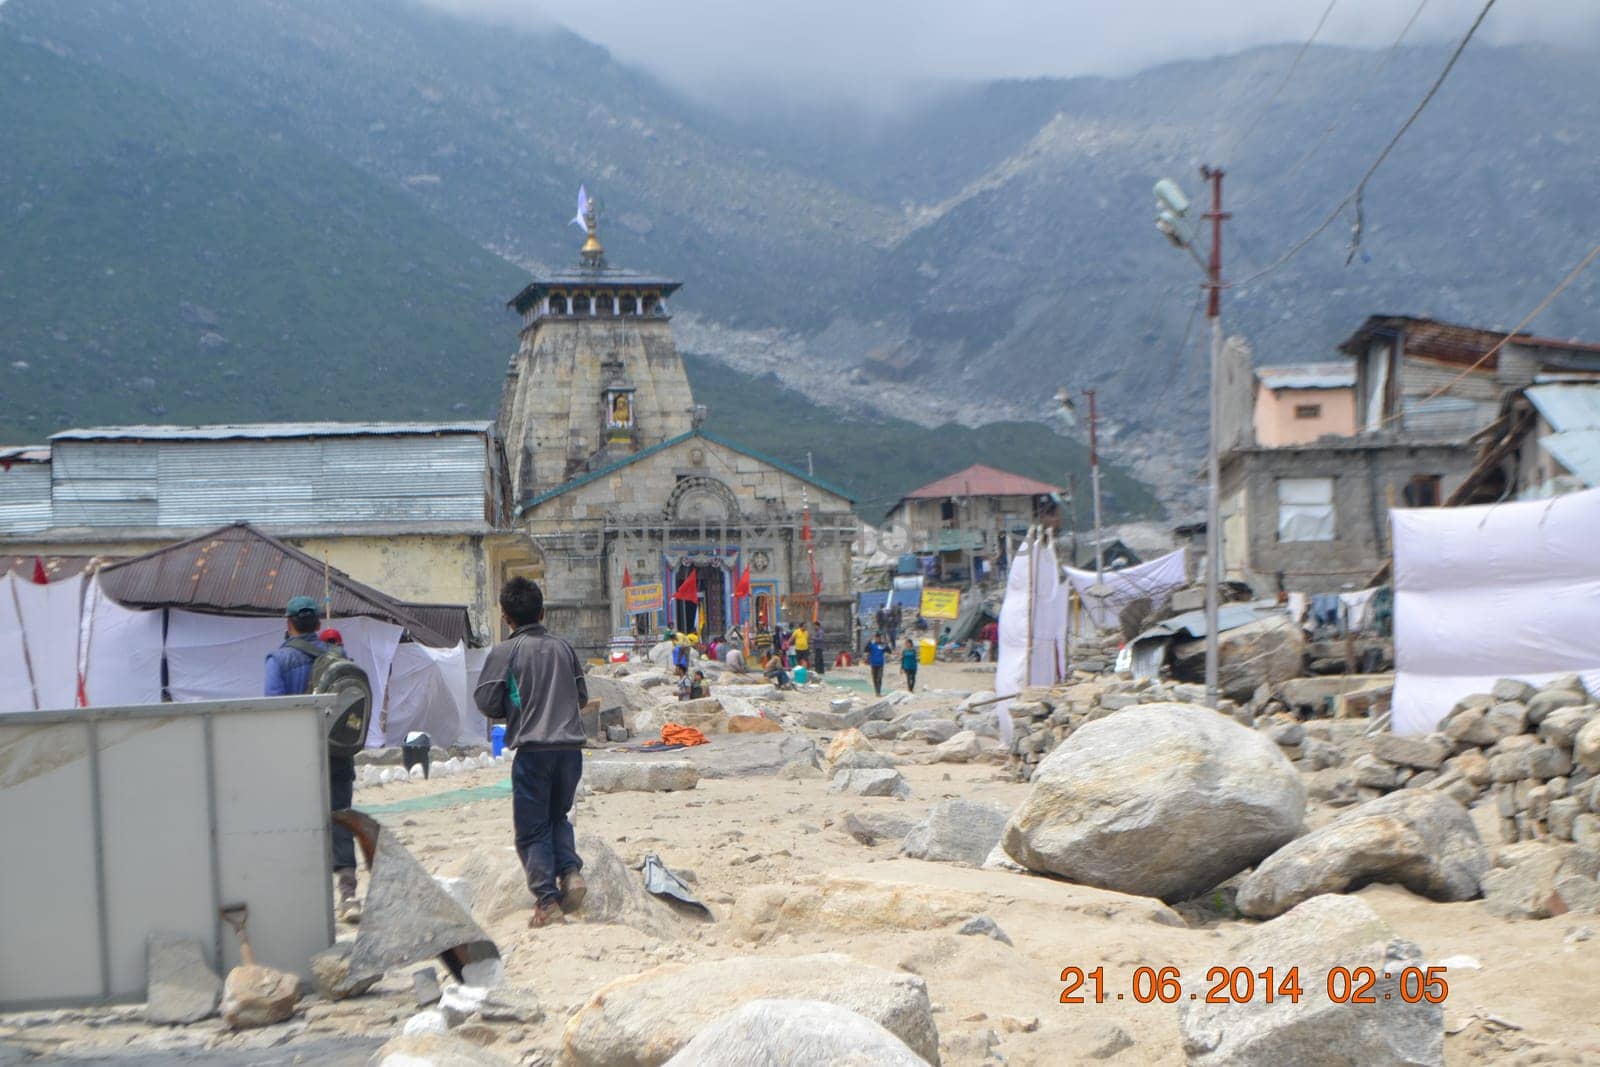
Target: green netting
{"points": [[450, 798]]}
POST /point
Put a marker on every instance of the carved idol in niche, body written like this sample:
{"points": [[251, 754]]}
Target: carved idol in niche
{"points": [[621, 413]]}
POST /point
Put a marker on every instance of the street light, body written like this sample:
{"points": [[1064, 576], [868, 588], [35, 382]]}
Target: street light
{"points": [[1173, 209], [1064, 398]]}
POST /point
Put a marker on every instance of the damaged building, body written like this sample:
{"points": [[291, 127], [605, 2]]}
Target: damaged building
{"points": [[1308, 514]]}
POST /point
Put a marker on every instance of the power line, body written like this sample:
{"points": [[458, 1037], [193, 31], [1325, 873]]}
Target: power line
{"points": [[1288, 76], [1350, 108], [1354, 196], [1549, 298], [1183, 346]]}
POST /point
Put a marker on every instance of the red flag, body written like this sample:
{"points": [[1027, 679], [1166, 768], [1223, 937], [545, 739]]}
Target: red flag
{"points": [[627, 579], [805, 525], [741, 585], [689, 590], [39, 575]]}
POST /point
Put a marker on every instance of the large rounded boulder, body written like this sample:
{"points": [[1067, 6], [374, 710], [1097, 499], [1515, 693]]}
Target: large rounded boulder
{"points": [[1160, 800]]}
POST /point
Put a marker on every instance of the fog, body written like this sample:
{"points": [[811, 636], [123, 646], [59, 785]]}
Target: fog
{"points": [[877, 53]]}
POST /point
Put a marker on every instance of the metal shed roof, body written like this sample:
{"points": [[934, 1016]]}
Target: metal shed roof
{"points": [[265, 430], [238, 570], [1573, 412], [1308, 376]]}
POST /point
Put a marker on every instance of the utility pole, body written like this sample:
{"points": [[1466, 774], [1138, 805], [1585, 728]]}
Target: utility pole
{"points": [[1174, 209], [1213, 458], [1094, 480]]}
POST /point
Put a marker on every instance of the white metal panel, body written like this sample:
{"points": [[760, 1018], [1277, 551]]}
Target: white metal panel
{"points": [[153, 828], [158, 870], [272, 832], [49, 923]]}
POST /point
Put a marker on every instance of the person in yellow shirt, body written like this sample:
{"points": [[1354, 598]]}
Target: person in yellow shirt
{"points": [[802, 645]]}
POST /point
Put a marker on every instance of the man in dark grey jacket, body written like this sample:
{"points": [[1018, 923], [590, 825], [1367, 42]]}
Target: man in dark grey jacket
{"points": [[534, 681]]}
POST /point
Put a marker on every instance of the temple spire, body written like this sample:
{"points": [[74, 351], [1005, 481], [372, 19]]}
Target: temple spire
{"points": [[593, 254]]}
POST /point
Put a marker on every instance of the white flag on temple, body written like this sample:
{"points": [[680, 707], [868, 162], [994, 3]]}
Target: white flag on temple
{"points": [[580, 220]]}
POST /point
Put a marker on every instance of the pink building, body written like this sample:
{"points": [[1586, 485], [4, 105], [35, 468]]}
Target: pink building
{"points": [[1297, 404]]}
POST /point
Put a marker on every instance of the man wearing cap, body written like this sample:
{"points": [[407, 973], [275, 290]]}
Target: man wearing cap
{"points": [[289, 674]]}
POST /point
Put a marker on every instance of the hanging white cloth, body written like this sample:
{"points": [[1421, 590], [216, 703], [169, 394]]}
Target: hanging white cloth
{"points": [[1049, 622], [428, 692], [1011, 661], [1358, 609], [370, 644], [218, 657], [119, 651], [1500, 591], [1157, 579], [49, 616], [16, 683]]}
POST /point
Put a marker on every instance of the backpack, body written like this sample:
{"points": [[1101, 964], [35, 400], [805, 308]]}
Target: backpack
{"points": [[333, 673]]}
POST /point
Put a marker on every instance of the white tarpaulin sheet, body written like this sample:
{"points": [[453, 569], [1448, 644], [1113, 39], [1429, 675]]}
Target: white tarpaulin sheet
{"points": [[1049, 616], [428, 692], [16, 686], [49, 625], [371, 644], [1305, 509], [1501, 591], [120, 652], [1158, 580], [218, 657], [1033, 609]]}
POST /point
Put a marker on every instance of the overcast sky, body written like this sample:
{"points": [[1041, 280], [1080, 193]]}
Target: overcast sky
{"points": [[869, 50]]}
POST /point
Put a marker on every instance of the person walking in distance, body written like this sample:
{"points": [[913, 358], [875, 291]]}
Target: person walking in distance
{"points": [[819, 654], [802, 646], [908, 665], [877, 653], [534, 681], [289, 674]]}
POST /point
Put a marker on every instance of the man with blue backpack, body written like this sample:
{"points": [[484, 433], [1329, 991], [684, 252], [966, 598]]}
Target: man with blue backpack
{"points": [[304, 663]]}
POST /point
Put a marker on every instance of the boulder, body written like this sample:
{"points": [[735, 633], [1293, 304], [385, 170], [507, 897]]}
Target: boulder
{"points": [[753, 724], [431, 1049], [1423, 753], [851, 740], [1322, 933], [796, 1033], [1560, 727], [1529, 761], [878, 782], [706, 715], [957, 831], [617, 894], [621, 776], [1586, 746], [330, 972], [1163, 800], [882, 825], [643, 1020], [1565, 692], [1265, 652], [1526, 887], [933, 731], [861, 759], [1502, 721], [1512, 689], [180, 986], [983, 926], [258, 996], [1374, 773], [827, 719], [622, 694], [1419, 839], [963, 747]]}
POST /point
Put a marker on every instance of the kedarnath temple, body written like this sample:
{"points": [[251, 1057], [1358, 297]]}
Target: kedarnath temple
{"points": [[624, 494]]}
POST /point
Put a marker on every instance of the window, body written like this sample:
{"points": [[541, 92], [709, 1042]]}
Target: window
{"points": [[1305, 509], [1422, 491], [947, 510], [1308, 411]]}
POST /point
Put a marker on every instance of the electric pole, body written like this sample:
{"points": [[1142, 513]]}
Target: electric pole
{"points": [[1175, 207], [1094, 482]]}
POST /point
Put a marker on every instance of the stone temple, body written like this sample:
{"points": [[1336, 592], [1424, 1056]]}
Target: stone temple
{"points": [[619, 487]]}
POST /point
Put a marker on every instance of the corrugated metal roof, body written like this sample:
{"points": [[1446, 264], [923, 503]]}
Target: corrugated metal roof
{"points": [[55, 567], [1308, 376], [25, 498], [24, 454], [1450, 343], [454, 621], [193, 483], [980, 480], [1567, 407], [238, 570], [231, 431], [1578, 451]]}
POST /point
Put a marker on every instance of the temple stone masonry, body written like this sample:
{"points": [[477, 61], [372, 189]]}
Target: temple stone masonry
{"points": [[621, 488]]}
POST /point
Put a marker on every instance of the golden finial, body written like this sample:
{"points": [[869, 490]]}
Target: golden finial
{"points": [[591, 251]]}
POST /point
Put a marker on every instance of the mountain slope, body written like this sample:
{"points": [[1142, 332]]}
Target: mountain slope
{"points": [[161, 264]]}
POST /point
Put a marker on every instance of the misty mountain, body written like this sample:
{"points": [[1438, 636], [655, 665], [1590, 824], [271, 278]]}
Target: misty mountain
{"points": [[959, 259]]}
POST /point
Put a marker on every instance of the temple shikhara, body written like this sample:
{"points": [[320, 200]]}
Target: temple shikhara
{"points": [[622, 492]]}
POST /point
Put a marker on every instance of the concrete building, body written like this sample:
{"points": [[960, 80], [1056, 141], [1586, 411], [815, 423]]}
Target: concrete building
{"points": [[968, 515], [615, 481], [416, 509], [1545, 443], [1313, 516], [1298, 403]]}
